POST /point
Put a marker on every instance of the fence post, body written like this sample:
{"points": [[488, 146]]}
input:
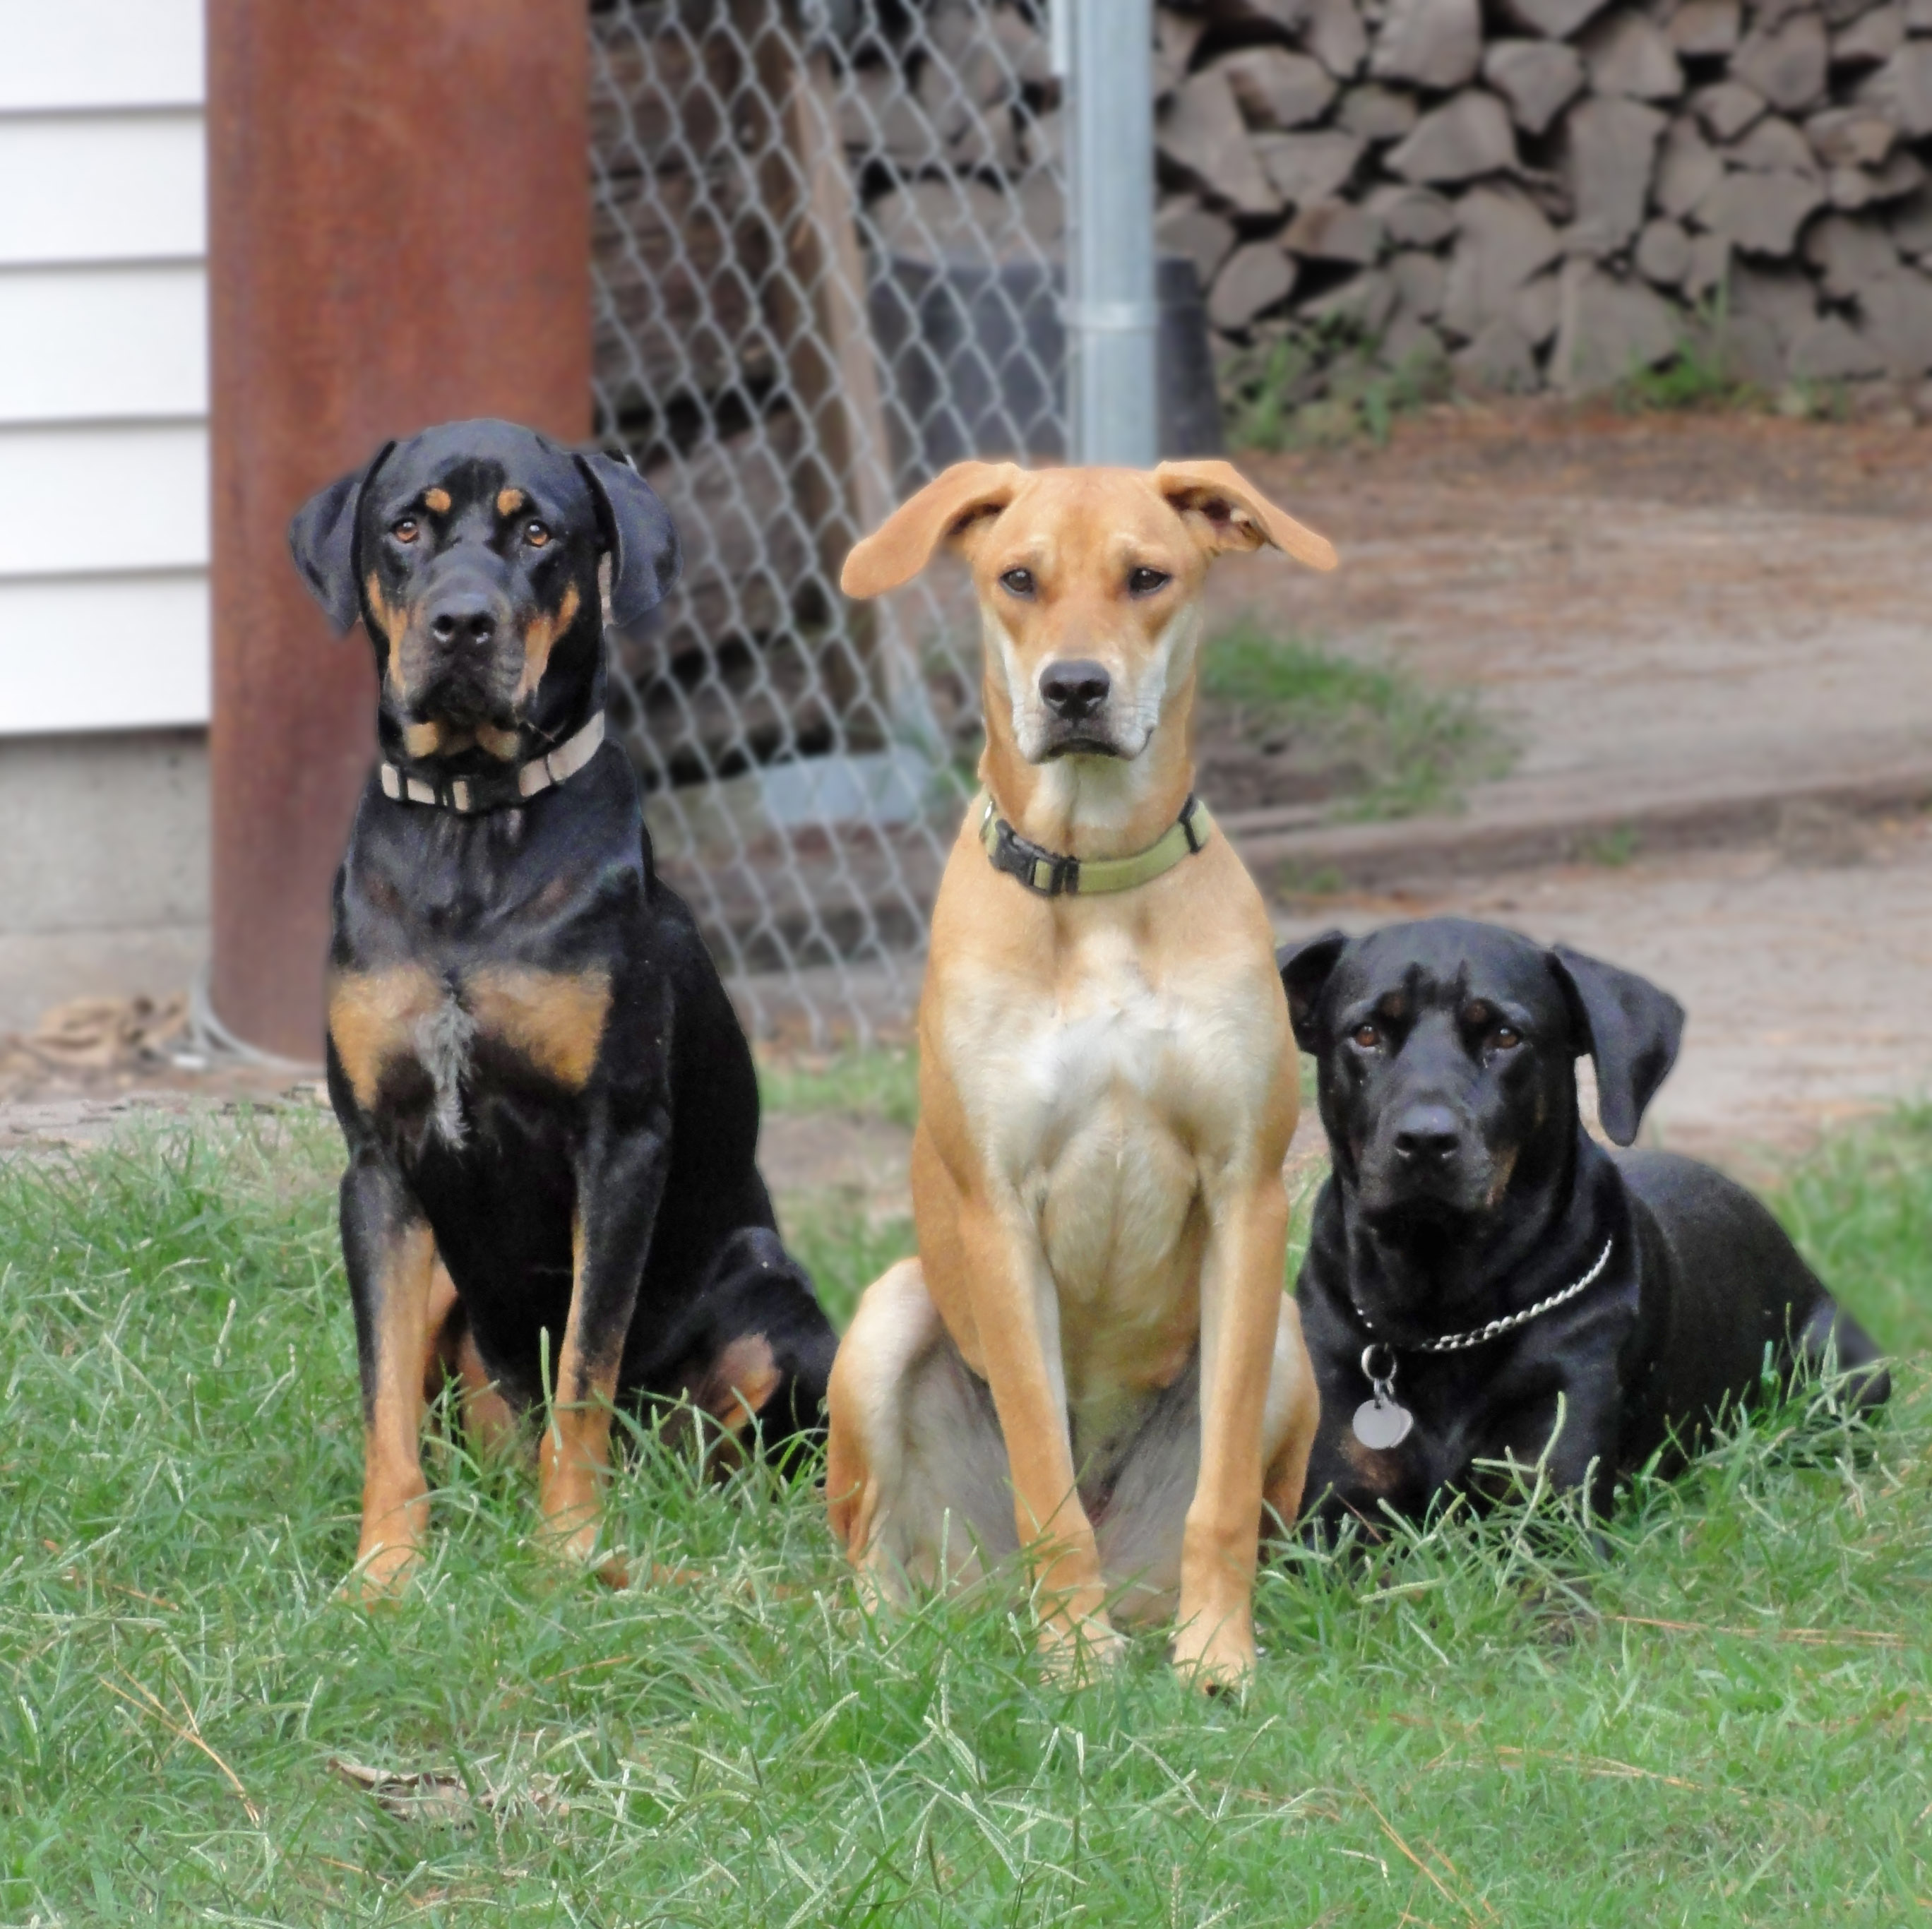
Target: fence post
{"points": [[1111, 314], [399, 234]]}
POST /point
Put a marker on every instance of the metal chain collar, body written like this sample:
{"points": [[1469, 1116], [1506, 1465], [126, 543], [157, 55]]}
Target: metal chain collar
{"points": [[1461, 1343]]}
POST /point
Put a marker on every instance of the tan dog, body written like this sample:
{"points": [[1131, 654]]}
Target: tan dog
{"points": [[1093, 1360]]}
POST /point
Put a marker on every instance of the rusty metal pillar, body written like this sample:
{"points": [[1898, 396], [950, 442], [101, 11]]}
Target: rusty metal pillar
{"points": [[399, 234]]}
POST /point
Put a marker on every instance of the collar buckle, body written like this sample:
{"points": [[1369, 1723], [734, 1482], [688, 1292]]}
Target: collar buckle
{"points": [[1053, 874]]}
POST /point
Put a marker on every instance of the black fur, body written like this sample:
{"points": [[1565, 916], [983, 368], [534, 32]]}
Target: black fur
{"points": [[1464, 1188], [654, 1149]]}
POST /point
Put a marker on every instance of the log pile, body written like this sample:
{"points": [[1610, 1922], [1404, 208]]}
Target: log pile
{"points": [[733, 157], [1559, 192]]}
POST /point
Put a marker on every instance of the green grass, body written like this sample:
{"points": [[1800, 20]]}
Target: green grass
{"points": [[1402, 747], [1725, 1724], [880, 1082], [1701, 375], [1320, 386]]}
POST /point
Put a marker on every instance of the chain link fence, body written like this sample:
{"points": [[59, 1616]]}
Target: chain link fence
{"points": [[827, 241]]}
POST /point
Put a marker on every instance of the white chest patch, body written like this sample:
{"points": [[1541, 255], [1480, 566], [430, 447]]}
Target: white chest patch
{"points": [[1100, 1116], [443, 1038]]}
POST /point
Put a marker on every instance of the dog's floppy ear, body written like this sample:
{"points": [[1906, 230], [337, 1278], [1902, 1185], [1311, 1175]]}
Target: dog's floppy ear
{"points": [[1304, 970], [637, 530], [902, 545], [322, 539], [1630, 1029], [1226, 510]]}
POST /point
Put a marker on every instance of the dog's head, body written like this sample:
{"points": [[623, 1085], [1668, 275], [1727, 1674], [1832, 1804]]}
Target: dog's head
{"points": [[1446, 1054], [471, 552], [1088, 579]]}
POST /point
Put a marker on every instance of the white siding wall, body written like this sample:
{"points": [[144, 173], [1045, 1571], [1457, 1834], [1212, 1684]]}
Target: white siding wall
{"points": [[104, 367]]}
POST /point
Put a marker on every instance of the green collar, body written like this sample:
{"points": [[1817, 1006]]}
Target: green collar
{"points": [[1052, 875]]}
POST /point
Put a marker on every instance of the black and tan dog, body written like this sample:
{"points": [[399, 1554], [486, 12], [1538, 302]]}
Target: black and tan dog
{"points": [[1484, 1282], [544, 1088]]}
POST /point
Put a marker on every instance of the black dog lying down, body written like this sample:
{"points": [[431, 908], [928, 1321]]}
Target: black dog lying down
{"points": [[1476, 1257], [541, 1082]]}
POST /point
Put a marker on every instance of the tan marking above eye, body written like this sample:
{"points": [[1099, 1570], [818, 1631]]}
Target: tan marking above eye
{"points": [[437, 499], [509, 501], [554, 1019]]}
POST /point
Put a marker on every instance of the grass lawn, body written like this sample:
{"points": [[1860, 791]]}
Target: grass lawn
{"points": [[1395, 747], [1727, 1722]]}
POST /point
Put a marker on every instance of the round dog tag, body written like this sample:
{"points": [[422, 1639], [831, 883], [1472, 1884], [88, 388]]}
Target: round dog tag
{"points": [[1382, 1423]]}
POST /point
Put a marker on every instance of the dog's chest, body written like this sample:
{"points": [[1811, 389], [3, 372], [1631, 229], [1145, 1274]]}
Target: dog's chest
{"points": [[1101, 1112], [418, 1042]]}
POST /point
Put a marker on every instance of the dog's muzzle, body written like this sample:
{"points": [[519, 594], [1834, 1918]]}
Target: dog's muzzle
{"points": [[1074, 693], [1425, 1161]]}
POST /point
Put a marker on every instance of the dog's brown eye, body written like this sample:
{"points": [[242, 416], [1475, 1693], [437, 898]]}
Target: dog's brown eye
{"points": [[1506, 1038], [536, 535], [1017, 583], [1147, 582], [406, 530], [1366, 1036]]}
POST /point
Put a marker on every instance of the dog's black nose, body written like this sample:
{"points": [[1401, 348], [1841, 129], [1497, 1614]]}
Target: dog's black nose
{"points": [[465, 619], [1074, 689], [1428, 1135]]}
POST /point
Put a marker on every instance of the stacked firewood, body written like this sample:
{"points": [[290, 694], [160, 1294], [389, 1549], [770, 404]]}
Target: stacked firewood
{"points": [[1560, 192]]}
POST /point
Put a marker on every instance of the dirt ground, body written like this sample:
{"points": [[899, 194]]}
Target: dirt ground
{"points": [[1658, 607], [1806, 976], [1654, 606]]}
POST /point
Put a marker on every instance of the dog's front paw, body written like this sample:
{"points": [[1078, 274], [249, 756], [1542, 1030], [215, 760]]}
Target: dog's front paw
{"points": [[1082, 1648], [579, 1549], [382, 1572], [1216, 1654]]}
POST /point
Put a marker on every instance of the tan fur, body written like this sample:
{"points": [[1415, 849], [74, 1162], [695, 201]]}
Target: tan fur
{"points": [[436, 499], [1107, 1085], [372, 1017], [509, 501], [1378, 1469], [555, 1019], [428, 739], [406, 663], [574, 1457], [395, 1496], [732, 1393], [541, 638], [392, 622], [740, 1381], [450, 1352]]}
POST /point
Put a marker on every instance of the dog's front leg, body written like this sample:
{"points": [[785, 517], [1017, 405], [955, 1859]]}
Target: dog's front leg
{"points": [[620, 1180], [1560, 1440], [1241, 1311], [1017, 1313], [390, 1252]]}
